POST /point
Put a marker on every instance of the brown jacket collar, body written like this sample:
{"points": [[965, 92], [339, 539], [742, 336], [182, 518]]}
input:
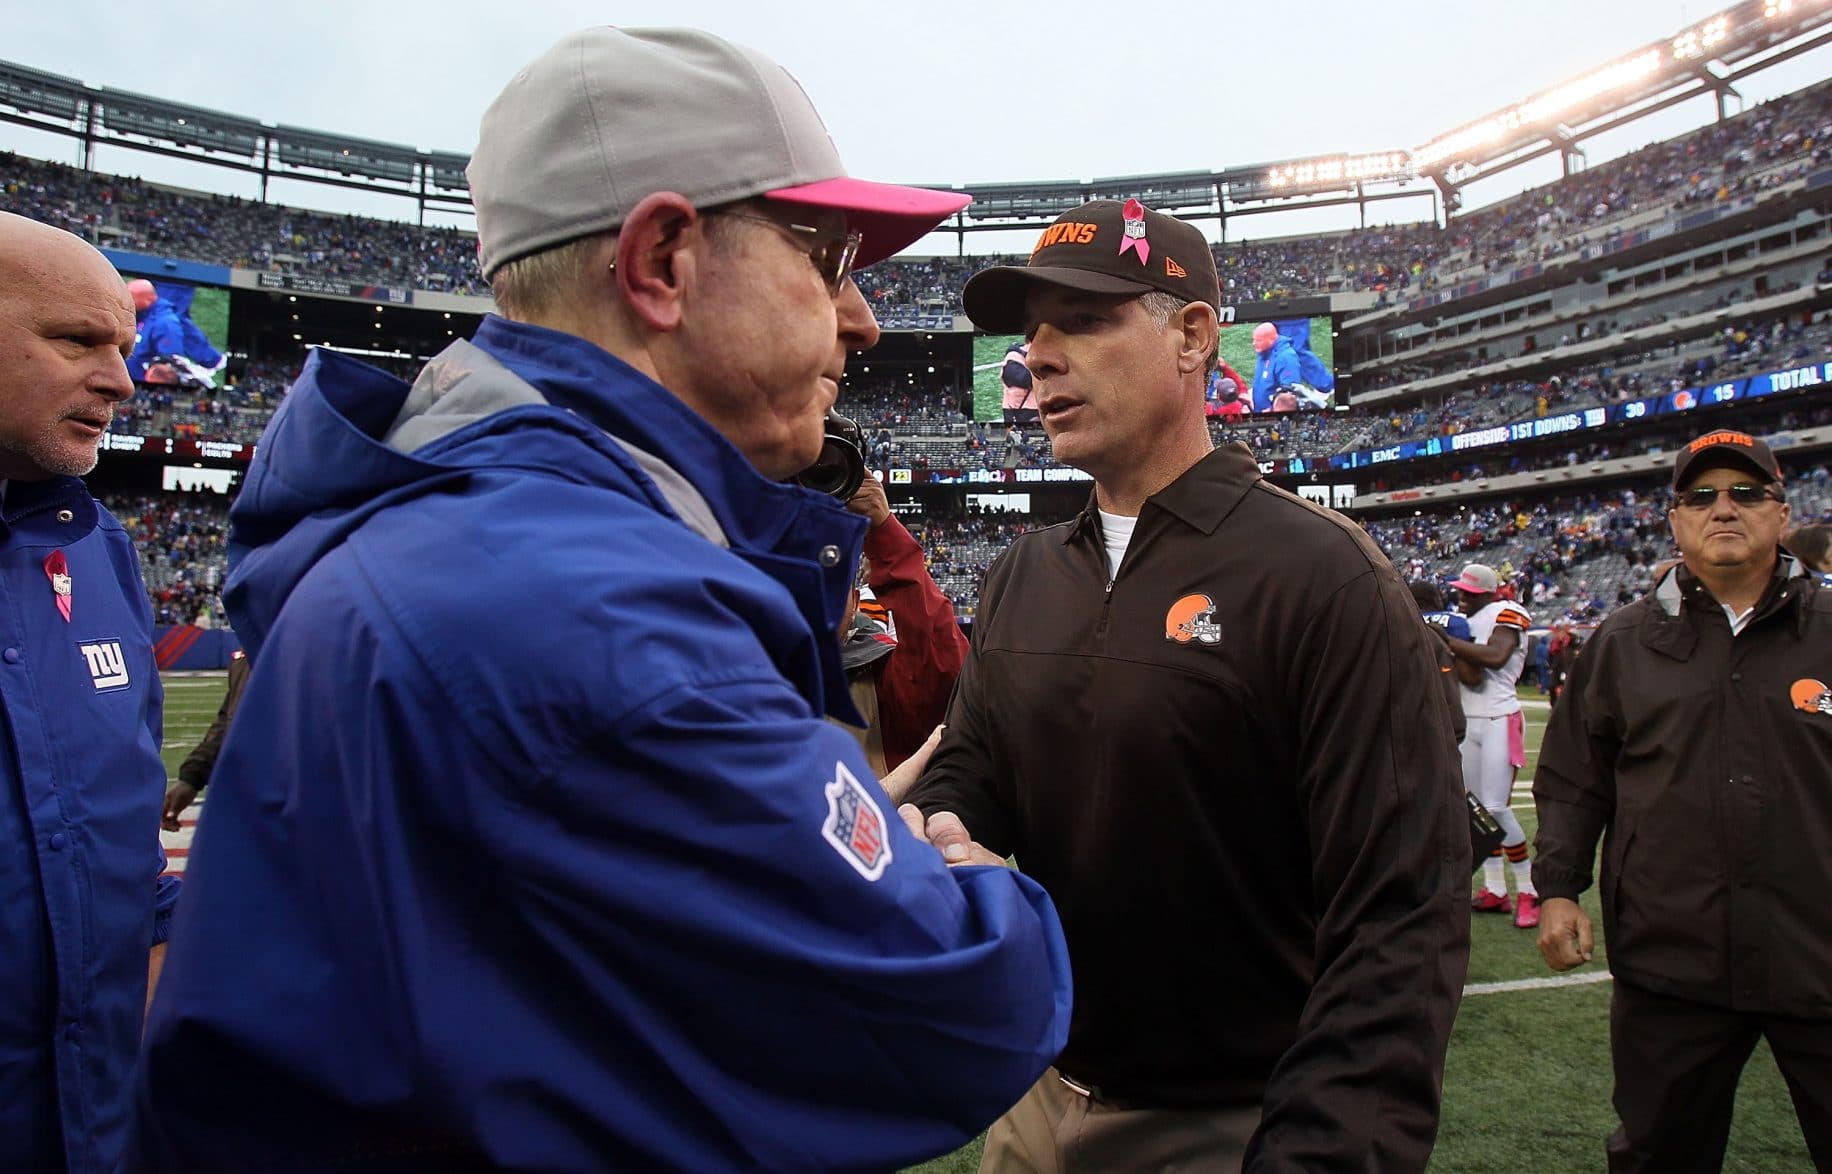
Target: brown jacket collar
{"points": [[1200, 498]]}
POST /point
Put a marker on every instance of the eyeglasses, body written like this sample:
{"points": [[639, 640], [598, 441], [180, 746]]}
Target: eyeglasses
{"points": [[1742, 496], [832, 256]]}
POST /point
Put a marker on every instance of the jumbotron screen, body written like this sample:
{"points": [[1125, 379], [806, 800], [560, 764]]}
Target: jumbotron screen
{"points": [[182, 337], [989, 357], [1296, 372]]}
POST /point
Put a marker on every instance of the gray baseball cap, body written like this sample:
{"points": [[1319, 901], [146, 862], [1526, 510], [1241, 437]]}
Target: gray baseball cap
{"points": [[609, 116]]}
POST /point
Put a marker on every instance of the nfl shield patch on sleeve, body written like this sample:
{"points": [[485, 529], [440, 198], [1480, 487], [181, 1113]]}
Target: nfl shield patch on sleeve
{"points": [[855, 825]]}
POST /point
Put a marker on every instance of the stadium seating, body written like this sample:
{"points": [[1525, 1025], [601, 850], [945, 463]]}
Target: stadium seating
{"points": [[182, 539], [1721, 163], [1697, 324]]}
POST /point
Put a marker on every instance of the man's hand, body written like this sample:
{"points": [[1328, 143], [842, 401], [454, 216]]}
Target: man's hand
{"points": [[155, 966], [897, 782], [870, 501], [1564, 933], [949, 836], [178, 796]]}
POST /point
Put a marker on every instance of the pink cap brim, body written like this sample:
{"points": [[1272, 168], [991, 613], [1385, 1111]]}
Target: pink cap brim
{"points": [[889, 218], [1473, 588]]}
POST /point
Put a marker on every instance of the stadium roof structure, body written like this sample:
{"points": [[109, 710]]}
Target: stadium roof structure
{"points": [[98, 115], [1707, 57], [1739, 41]]}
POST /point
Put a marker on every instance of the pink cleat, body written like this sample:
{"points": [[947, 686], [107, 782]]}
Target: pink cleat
{"points": [[1526, 915], [1491, 902]]}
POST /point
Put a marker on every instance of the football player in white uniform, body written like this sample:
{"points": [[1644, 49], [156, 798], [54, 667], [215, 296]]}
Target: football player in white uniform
{"points": [[1494, 749]]}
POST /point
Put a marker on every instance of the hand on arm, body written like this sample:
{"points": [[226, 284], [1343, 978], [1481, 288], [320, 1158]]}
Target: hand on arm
{"points": [[1491, 655], [945, 831], [898, 781]]}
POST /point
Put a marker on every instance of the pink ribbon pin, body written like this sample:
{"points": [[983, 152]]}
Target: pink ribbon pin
{"points": [[58, 571], [1134, 216]]}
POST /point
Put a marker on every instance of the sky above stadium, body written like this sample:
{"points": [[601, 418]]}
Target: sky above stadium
{"points": [[944, 91]]}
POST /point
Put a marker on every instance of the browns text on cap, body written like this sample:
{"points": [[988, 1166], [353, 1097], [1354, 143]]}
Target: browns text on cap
{"points": [[608, 117], [1715, 450], [1104, 246]]}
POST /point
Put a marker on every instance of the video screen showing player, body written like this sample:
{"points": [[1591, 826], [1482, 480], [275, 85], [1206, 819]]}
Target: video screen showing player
{"points": [[182, 331], [1276, 365], [1002, 391]]}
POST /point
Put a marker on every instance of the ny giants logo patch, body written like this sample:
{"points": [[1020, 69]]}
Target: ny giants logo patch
{"points": [[107, 664], [855, 825]]}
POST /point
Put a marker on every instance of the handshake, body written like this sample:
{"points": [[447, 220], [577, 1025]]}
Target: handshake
{"points": [[944, 829]]}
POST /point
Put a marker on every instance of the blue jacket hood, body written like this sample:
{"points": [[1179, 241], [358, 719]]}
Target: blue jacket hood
{"points": [[329, 460]]}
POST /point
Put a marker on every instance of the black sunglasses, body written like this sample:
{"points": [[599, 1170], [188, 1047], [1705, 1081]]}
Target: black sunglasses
{"points": [[1742, 496]]}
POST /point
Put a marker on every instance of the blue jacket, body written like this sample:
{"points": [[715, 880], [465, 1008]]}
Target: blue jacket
{"points": [[80, 905], [529, 847], [1278, 366], [161, 333], [1454, 622]]}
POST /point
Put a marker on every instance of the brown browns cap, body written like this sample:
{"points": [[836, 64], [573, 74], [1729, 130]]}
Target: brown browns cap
{"points": [[1104, 246]]}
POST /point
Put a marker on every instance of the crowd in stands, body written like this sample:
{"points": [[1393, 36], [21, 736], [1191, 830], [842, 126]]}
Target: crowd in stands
{"points": [[237, 412], [1579, 556], [916, 426], [126, 213], [1739, 349], [1571, 558], [1764, 146], [1760, 148], [1505, 460], [1392, 260], [184, 556], [960, 548]]}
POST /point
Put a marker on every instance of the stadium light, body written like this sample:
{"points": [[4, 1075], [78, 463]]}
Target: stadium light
{"points": [[1694, 43], [1540, 110], [1335, 170], [1740, 25]]}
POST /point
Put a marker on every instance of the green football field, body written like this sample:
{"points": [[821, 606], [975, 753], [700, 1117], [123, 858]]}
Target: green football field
{"points": [[1527, 1084]]}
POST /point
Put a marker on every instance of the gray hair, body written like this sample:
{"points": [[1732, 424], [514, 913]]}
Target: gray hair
{"points": [[528, 287], [1160, 307]]}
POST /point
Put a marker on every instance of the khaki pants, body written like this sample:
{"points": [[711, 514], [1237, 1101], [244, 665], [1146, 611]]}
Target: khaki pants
{"points": [[1057, 1130]]}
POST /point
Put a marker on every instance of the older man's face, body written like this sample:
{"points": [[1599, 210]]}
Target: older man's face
{"points": [[66, 327], [1724, 536], [765, 343]]}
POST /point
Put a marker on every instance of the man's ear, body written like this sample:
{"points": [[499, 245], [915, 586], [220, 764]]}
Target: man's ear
{"points": [[658, 256], [1201, 336]]}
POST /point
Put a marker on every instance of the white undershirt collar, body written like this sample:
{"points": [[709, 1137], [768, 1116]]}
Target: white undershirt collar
{"points": [[1116, 535]]}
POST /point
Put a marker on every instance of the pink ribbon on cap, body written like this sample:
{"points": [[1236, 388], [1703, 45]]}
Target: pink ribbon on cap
{"points": [[1134, 216]]}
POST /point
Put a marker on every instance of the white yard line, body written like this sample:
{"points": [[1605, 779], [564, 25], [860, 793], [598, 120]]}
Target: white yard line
{"points": [[1536, 984]]}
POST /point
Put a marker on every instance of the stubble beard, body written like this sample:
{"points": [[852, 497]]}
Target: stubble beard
{"points": [[54, 456]]}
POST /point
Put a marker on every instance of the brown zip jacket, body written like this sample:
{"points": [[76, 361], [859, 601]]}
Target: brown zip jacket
{"points": [[1232, 767], [1705, 762]]}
